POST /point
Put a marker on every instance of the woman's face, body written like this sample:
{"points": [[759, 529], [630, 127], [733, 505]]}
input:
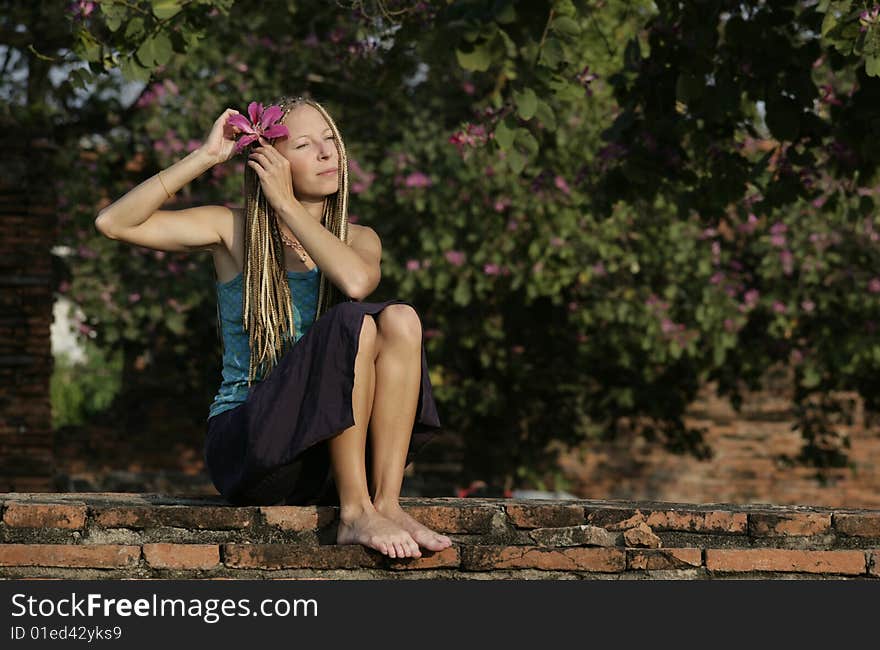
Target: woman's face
{"points": [[311, 151]]}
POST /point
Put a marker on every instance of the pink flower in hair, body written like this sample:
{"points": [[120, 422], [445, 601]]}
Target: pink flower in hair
{"points": [[263, 123]]}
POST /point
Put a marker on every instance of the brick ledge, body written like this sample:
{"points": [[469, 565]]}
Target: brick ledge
{"points": [[117, 535]]}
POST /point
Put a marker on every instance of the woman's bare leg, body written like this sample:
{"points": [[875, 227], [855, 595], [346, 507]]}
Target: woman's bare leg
{"points": [[398, 374], [359, 521]]}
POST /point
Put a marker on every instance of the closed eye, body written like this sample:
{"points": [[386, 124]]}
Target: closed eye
{"points": [[306, 144]]}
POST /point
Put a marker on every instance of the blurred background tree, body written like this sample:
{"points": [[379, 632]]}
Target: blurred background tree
{"points": [[598, 205]]}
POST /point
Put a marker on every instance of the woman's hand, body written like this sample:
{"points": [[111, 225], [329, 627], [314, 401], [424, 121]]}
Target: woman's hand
{"points": [[221, 141], [274, 172]]}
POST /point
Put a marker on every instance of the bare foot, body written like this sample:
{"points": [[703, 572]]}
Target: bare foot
{"points": [[372, 529], [423, 535]]}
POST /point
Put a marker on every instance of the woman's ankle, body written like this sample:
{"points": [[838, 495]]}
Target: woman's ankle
{"points": [[349, 511]]}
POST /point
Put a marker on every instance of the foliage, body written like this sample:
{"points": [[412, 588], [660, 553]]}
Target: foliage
{"points": [[598, 206]]}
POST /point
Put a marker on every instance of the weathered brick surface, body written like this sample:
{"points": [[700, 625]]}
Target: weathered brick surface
{"points": [[298, 518], [105, 535], [182, 556], [774, 525], [454, 519], [202, 517], [345, 556], [663, 559], [641, 535], [772, 559], [478, 558], [69, 555], [37, 515], [545, 516], [866, 525], [583, 535], [715, 521]]}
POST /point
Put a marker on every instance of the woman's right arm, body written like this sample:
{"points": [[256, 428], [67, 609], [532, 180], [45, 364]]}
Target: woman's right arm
{"points": [[135, 218]]}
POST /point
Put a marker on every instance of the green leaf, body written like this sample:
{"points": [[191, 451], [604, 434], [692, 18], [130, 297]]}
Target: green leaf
{"points": [[516, 161], [506, 15], [163, 9], [546, 115], [566, 25], [525, 139], [135, 28], [478, 60], [88, 47], [552, 53], [114, 14], [134, 71], [526, 103], [462, 293], [504, 135], [872, 66], [155, 51]]}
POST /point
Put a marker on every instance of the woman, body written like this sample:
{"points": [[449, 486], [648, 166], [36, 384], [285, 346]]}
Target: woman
{"points": [[307, 367]]}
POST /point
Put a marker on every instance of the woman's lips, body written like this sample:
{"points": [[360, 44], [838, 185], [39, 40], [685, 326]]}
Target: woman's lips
{"points": [[328, 172]]}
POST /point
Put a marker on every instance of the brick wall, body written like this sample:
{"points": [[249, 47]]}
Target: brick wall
{"points": [[751, 462], [28, 229], [111, 536]]}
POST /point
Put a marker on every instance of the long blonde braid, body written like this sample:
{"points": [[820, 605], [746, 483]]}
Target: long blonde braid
{"points": [[267, 313]]}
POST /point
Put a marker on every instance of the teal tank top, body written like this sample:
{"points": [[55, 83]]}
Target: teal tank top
{"points": [[236, 350]]}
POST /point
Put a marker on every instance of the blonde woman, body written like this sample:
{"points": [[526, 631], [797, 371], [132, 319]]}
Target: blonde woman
{"points": [[308, 368]]}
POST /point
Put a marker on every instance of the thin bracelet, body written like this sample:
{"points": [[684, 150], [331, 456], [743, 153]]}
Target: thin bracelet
{"points": [[163, 185]]}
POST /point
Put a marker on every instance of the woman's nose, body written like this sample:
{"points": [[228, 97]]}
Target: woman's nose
{"points": [[327, 149]]}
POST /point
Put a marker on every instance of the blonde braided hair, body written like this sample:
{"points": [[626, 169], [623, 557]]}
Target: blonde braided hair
{"points": [[267, 314]]}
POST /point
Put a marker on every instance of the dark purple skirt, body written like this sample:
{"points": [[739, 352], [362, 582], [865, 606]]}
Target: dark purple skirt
{"points": [[272, 448]]}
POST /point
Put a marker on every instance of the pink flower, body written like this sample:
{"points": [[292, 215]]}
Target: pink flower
{"points": [[468, 87], [808, 305], [874, 285], [787, 260], [134, 297], [501, 204], [412, 265], [456, 258], [261, 124], [556, 242], [751, 297], [778, 307], [431, 333], [353, 218], [417, 179], [491, 269], [560, 183]]}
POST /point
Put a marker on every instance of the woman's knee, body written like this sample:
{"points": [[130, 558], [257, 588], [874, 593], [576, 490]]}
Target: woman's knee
{"points": [[400, 323]]}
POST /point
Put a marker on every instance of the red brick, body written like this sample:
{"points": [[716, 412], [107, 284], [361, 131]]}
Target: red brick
{"points": [[454, 519], [770, 559], [696, 521], [794, 523], [45, 515], [544, 515], [874, 563], [182, 556], [298, 518], [486, 558], [865, 525], [102, 556], [663, 559], [339, 556], [190, 517]]}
